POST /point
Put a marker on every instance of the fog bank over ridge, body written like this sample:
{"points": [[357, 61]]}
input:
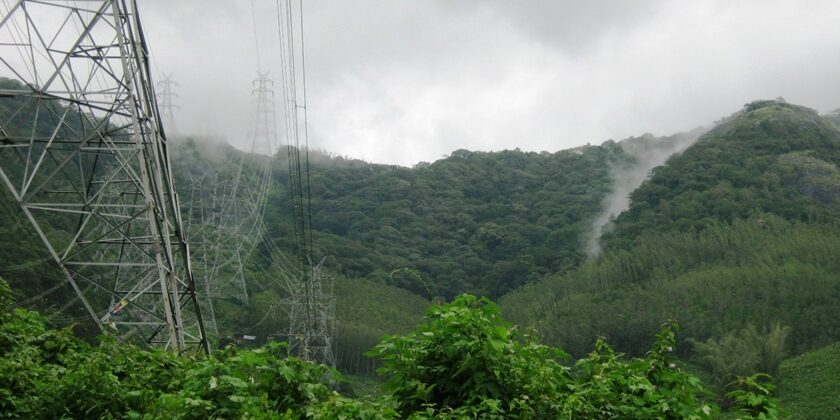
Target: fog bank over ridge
{"points": [[647, 152], [400, 82]]}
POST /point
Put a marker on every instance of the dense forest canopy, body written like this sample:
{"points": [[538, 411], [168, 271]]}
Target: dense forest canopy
{"points": [[771, 157], [478, 222]]}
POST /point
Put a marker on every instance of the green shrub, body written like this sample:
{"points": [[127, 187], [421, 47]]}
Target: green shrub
{"points": [[466, 361], [753, 399], [743, 353]]}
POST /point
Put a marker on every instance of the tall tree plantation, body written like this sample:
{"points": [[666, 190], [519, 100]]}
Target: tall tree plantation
{"points": [[715, 294]]}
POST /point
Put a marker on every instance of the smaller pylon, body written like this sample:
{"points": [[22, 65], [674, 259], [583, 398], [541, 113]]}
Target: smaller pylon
{"points": [[166, 93], [311, 310], [226, 205], [264, 134]]}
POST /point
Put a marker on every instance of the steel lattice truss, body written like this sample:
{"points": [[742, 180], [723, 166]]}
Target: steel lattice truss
{"points": [[166, 102], [311, 309], [226, 206], [83, 153]]}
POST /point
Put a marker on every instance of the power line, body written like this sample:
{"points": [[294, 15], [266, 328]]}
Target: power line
{"points": [[311, 303], [256, 37], [305, 125]]}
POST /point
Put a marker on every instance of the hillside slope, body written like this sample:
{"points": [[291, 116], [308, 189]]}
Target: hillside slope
{"points": [[771, 157], [809, 387], [474, 222], [740, 228]]}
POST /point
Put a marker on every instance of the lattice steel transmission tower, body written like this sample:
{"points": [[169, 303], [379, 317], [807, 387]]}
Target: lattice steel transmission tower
{"points": [[264, 131], [226, 207], [84, 154], [166, 93], [311, 311]]}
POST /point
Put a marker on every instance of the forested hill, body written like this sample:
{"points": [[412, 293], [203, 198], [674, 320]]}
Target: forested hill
{"points": [[772, 157], [474, 222], [739, 231], [737, 239]]}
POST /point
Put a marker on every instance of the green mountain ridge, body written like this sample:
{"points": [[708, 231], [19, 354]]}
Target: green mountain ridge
{"points": [[476, 222], [739, 228], [770, 157]]}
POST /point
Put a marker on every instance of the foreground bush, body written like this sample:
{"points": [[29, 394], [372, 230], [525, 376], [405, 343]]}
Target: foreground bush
{"points": [[47, 373], [465, 361]]}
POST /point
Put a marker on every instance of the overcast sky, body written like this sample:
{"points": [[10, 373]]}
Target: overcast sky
{"points": [[398, 81]]}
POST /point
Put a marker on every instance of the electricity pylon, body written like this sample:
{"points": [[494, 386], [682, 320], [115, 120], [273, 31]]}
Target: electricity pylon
{"points": [[226, 206], [311, 309], [166, 94], [84, 155], [264, 131]]}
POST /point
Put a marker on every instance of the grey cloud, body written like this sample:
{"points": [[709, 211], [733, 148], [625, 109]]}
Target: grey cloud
{"points": [[570, 25], [400, 81]]}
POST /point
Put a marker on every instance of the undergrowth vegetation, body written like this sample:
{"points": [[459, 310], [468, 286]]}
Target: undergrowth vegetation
{"points": [[466, 362], [463, 361], [809, 386]]}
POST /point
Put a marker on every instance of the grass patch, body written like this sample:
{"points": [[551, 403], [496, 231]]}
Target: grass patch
{"points": [[809, 384]]}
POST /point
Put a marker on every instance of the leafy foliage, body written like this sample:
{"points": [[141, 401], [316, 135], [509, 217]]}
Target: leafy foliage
{"points": [[752, 397], [649, 387], [465, 354], [742, 354], [466, 361], [47, 373]]}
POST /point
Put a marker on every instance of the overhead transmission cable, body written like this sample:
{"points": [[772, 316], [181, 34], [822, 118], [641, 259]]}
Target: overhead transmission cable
{"points": [[299, 183], [256, 37], [305, 125], [311, 328]]}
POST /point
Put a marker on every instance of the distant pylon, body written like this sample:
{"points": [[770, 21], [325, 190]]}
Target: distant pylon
{"points": [[84, 154], [264, 130], [166, 102], [226, 206], [310, 306]]}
